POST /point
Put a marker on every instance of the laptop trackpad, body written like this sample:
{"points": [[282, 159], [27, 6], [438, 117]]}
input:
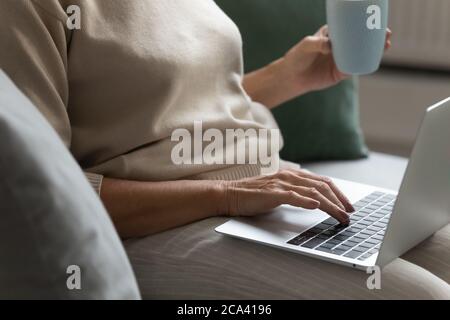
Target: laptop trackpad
{"points": [[282, 223]]}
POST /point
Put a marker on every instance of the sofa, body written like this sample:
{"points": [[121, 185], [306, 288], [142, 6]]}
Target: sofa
{"points": [[43, 184], [175, 265], [168, 265]]}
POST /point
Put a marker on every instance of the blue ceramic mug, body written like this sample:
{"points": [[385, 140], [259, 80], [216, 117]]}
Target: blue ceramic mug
{"points": [[357, 30]]}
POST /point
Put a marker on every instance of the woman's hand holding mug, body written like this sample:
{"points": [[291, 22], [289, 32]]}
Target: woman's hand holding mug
{"points": [[310, 65]]}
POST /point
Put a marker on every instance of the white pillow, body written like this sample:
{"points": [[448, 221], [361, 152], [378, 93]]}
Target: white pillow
{"points": [[50, 217]]}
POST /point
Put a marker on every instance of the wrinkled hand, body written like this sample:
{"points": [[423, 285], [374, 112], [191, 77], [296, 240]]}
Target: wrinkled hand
{"points": [[311, 64], [299, 188]]}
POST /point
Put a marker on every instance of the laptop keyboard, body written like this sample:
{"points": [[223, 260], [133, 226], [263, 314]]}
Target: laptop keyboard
{"points": [[361, 239]]}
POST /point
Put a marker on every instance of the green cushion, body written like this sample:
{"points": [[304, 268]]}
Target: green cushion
{"points": [[318, 126]]}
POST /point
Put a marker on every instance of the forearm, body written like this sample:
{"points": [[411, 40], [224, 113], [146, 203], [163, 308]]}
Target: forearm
{"points": [[271, 85], [144, 208]]}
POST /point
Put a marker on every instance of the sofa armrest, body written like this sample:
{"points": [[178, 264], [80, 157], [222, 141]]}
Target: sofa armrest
{"points": [[381, 170]]}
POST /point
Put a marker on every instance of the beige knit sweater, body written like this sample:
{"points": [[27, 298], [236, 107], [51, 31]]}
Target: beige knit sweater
{"points": [[137, 70]]}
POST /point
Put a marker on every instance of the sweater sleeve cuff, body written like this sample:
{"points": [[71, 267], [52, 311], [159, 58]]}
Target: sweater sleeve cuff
{"points": [[95, 180]]}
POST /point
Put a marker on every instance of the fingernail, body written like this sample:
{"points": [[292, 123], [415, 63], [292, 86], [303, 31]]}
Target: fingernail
{"points": [[346, 221], [350, 207]]}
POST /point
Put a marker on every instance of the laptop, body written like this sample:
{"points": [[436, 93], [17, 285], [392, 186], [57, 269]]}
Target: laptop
{"points": [[386, 223]]}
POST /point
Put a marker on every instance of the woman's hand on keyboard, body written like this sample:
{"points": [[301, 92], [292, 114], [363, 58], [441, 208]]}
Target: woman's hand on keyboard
{"points": [[299, 188]]}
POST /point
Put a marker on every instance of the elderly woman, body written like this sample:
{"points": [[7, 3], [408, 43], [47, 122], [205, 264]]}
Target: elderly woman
{"points": [[137, 70]]}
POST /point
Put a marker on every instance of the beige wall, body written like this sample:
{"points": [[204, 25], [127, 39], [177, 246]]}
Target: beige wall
{"points": [[421, 33], [393, 104]]}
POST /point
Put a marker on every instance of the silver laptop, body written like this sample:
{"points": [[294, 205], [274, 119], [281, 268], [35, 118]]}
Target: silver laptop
{"points": [[385, 225]]}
